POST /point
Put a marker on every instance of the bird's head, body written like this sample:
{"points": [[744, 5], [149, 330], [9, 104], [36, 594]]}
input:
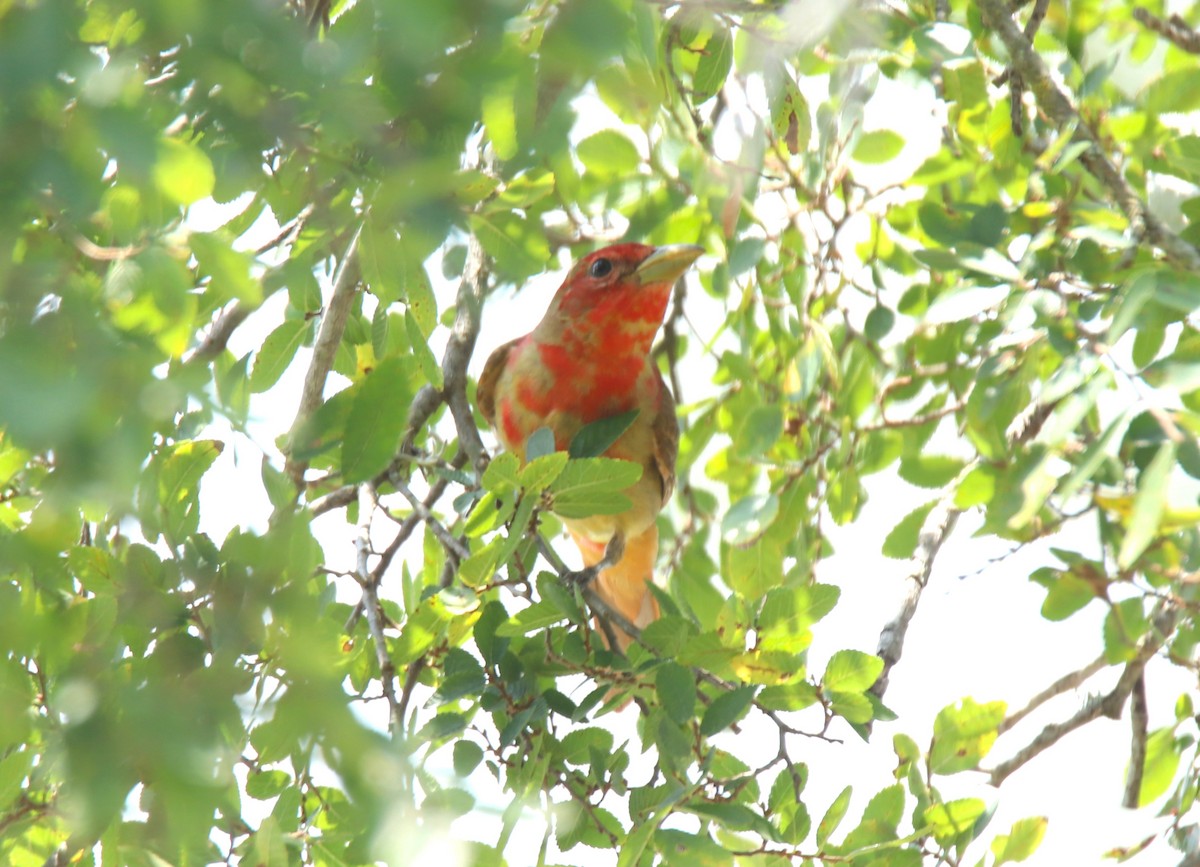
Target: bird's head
{"points": [[622, 288]]}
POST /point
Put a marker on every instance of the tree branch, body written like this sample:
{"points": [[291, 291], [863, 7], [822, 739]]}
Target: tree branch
{"points": [[469, 305], [1110, 705], [333, 323], [1139, 721], [1174, 29], [939, 523], [371, 606], [1058, 107], [218, 336], [1063, 684]]}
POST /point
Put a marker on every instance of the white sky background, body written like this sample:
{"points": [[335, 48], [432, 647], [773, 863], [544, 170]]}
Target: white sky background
{"points": [[979, 636]]}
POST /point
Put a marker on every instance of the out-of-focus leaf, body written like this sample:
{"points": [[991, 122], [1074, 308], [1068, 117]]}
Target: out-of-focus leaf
{"points": [[277, 352], [878, 146], [1148, 505], [376, 420], [1021, 841], [715, 62]]}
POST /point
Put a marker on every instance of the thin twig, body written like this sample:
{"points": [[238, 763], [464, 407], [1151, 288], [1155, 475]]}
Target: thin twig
{"points": [[420, 511], [1110, 705], [937, 528], [371, 607], [1070, 681]]}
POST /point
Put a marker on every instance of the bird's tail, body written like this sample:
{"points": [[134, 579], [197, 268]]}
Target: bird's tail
{"points": [[626, 586]]}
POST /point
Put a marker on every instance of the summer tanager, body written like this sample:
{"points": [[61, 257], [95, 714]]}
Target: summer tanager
{"points": [[589, 359]]}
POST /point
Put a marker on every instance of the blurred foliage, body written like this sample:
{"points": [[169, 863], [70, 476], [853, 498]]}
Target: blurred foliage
{"points": [[992, 326]]}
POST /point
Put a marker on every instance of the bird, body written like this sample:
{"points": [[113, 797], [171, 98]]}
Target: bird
{"points": [[589, 358]]}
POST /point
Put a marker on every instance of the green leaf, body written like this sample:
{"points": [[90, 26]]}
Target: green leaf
{"points": [[593, 440], [518, 246], [930, 471], [421, 351], [878, 146], [1091, 460], [694, 850], [541, 471], [500, 477], [852, 671], [760, 430], [183, 172], [950, 819], [879, 324], [788, 612], [228, 269], [749, 518], [963, 734], [179, 485], [1067, 594], [1021, 841], [381, 259], [1173, 91], [1163, 752], [676, 688], [376, 421], [976, 488], [608, 153], [540, 615], [442, 726], [490, 511], [593, 486], [277, 352], [716, 59], [791, 116], [833, 816], [263, 785], [751, 571], [1148, 505], [901, 542], [726, 709], [540, 442], [1124, 626]]}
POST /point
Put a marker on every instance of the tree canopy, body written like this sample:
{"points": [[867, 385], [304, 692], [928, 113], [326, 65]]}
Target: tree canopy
{"points": [[270, 595]]}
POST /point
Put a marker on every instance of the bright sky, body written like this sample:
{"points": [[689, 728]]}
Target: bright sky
{"points": [[978, 636]]}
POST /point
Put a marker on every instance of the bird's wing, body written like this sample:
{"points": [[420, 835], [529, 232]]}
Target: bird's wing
{"points": [[665, 427], [485, 395]]}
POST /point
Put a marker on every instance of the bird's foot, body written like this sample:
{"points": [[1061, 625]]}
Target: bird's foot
{"points": [[612, 555]]}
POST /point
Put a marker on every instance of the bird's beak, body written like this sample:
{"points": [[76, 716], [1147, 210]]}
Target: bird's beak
{"points": [[666, 264]]}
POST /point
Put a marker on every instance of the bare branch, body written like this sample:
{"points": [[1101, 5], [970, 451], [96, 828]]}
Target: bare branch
{"points": [[453, 546], [939, 523], [1065, 683], [1174, 29], [1139, 722], [217, 339], [371, 606], [1110, 705], [333, 323], [469, 305], [1058, 107]]}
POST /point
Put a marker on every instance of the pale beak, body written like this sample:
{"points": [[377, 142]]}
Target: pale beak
{"points": [[666, 264]]}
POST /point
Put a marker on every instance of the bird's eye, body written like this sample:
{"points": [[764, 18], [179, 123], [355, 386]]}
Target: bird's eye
{"points": [[600, 268]]}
